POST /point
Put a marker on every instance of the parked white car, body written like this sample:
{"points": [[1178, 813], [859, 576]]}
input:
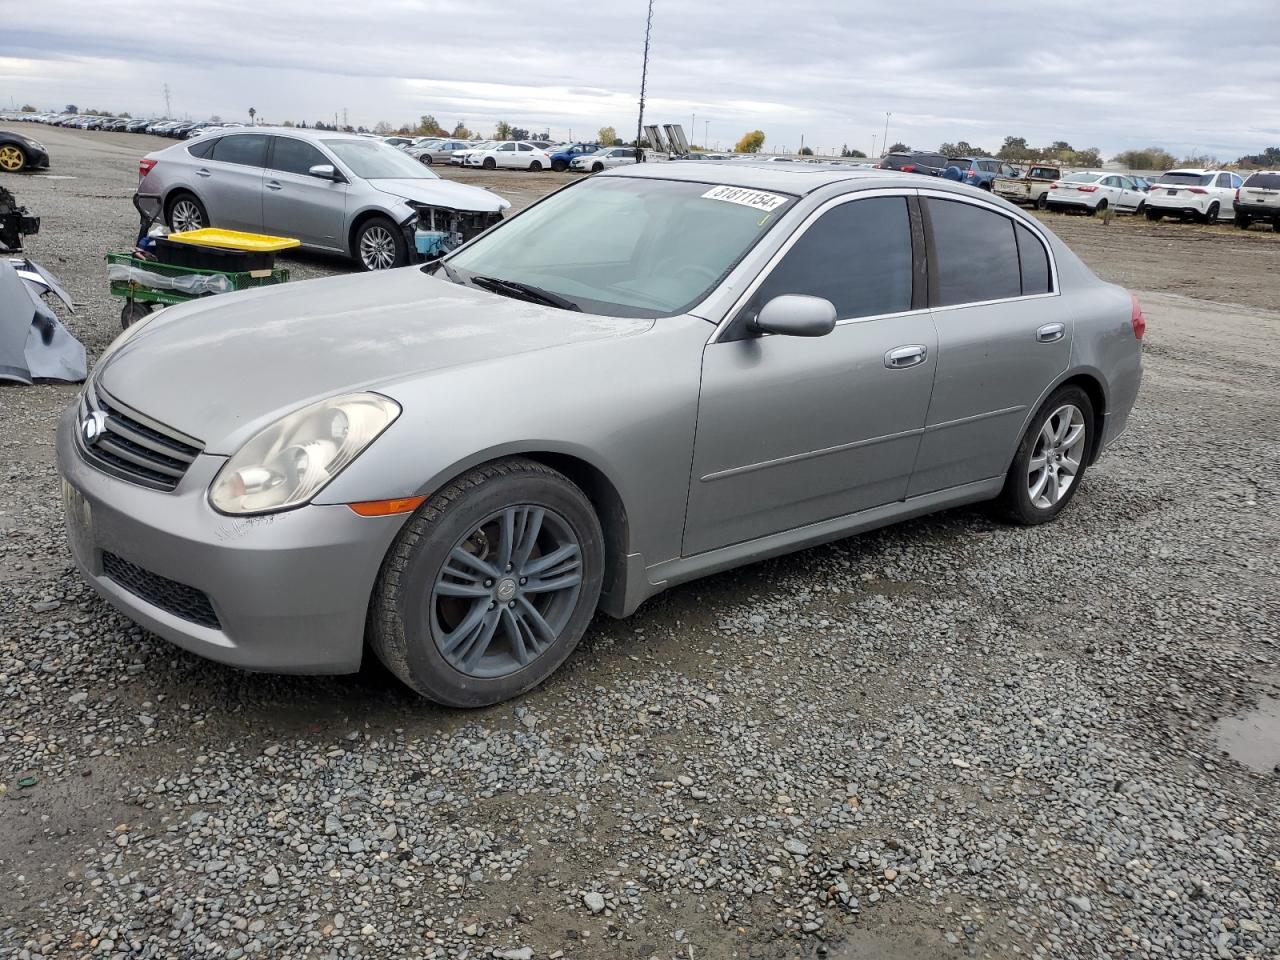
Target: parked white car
{"points": [[511, 155], [459, 157], [1094, 191], [603, 159], [1207, 195]]}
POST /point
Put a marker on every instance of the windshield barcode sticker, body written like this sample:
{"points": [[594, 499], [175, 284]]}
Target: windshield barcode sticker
{"points": [[757, 199]]}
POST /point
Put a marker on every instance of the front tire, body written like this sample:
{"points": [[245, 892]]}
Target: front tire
{"points": [[186, 212], [535, 167], [1051, 459], [13, 159], [490, 163], [597, 167], [381, 245], [490, 585], [559, 166], [426, 158]]}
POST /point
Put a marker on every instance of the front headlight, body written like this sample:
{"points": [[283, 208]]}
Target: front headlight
{"points": [[289, 462]]}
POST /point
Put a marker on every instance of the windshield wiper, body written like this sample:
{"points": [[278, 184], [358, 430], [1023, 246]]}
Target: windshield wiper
{"points": [[525, 291]]}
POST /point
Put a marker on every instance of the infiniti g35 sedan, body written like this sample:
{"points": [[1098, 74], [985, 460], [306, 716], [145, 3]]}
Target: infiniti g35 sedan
{"points": [[336, 192], [654, 374]]}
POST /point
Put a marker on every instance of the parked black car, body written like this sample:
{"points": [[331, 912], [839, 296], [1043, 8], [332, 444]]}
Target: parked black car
{"points": [[930, 164], [21, 153], [1258, 198]]}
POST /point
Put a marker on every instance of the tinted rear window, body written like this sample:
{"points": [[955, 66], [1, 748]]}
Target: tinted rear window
{"points": [[249, 149], [203, 148], [1187, 179], [857, 255], [1082, 178], [977, 253], [1267, 181]]}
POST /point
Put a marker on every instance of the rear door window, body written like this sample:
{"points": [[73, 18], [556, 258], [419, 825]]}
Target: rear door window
{"points": [[1033, 261], [857, 255], [977, 254], [249, 149]]}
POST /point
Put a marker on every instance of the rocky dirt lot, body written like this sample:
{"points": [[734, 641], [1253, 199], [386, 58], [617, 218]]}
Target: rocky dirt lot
{"points": [[949, 738]]}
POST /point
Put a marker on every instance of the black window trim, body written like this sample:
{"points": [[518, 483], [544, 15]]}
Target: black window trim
{"points": [[725, 329], [934, 298]]}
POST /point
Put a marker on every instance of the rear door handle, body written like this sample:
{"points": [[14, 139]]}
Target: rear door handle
{"points": [[202, 172], [1051, 332], [911, 355], [274, 185]]}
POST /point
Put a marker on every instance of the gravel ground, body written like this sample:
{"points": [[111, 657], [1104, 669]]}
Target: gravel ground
{"points": [[949, 738]]}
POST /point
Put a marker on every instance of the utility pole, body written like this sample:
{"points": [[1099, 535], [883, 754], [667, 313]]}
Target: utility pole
{"points": [[644, 76], [885, 142], [873, 146], [706, 134], [167, 108], [693, 127]]}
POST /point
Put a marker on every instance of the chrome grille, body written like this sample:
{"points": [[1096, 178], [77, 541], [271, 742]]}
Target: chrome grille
{"points": [[131, 446]]}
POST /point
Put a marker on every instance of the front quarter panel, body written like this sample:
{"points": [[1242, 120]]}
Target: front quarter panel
{"points": [[627, 405]]}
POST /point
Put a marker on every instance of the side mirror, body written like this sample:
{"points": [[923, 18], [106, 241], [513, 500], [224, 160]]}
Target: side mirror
{"points": [[325, 171], [796, 315]]}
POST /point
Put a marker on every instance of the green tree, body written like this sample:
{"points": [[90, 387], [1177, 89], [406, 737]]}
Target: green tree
{"points": [[962, 148], [1269, 157], [898, 147], [806, 151], [846, 152], [751, 142], [519, 133], [428, 127], [1088, 157], [28, 108], [502, 131], [1015, 148], [606, 136], [1151, 158]]}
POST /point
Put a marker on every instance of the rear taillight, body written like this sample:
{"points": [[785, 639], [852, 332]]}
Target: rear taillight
{"points": [[909, 168], [144, 167], [1087, 189], [1056, 185], [1137, 319], [1196, 190]]}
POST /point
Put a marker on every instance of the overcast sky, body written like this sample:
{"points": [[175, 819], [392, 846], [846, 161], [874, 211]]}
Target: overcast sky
{"points": [[1192, 77]]}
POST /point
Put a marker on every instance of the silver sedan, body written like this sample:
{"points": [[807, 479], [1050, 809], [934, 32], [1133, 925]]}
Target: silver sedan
{"points": [[654, 374], [336, 192]]}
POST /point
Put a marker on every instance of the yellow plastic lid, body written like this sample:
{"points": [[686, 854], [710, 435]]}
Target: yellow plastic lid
{"points": [[235, 240]]}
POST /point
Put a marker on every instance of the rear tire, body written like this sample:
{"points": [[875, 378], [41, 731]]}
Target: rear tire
{"points": [[1100, 208], [1042, 202], [447, 573], [1034, 492], [535, 167], [1242, 221], [559, 166], [1154, 215], [185, 212], [132, 312]]}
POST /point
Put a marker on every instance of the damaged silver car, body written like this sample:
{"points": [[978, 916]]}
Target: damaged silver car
{"points": [[333, 191]]}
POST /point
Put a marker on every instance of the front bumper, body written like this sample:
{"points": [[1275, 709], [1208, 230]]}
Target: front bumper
{"points": [[289, 591]]}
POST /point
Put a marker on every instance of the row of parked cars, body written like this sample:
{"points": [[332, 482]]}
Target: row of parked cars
{"points": [[1188, 194], [534, 155], [158, 126]]}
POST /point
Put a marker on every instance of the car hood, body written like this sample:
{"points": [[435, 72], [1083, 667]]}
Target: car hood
{"points": [[443, 193], [220, 369]]}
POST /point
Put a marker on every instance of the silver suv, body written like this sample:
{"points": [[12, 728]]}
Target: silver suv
{"points": [[332, 191]]}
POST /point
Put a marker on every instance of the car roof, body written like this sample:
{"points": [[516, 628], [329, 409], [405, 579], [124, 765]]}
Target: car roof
{"points": [[800, 178], [1193, 171]]}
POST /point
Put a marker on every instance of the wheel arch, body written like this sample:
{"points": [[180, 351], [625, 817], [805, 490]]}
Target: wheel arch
{"points": [[1091, 382], [360, 219]]}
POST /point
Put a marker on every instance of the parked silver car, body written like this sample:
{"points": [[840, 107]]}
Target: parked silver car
{"points": [[338, 192], [654, 374]]}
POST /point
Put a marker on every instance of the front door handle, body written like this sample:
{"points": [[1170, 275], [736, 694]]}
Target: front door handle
{"points": [[911, 355], [1051, 332], [202, 172], [273, 185]]}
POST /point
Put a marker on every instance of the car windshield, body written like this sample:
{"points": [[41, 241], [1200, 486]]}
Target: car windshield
{"points": [[1187, 179], [623, 246], [1082, 178], [374, 160]]}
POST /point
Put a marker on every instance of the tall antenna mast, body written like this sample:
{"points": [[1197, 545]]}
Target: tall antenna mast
{"points": [[644, 76]]}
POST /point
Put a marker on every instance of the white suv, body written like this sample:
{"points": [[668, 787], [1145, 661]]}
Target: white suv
{"points": [[1206, 195]]}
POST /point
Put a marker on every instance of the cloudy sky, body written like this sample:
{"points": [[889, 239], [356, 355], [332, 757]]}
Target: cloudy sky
{"points": [[1192, 77]]}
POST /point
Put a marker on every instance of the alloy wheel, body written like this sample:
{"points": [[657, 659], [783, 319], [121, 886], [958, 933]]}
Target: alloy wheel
{"points": [[11, 158], [186, 215], [1056, 460], [506, 592], [377, 248]]}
